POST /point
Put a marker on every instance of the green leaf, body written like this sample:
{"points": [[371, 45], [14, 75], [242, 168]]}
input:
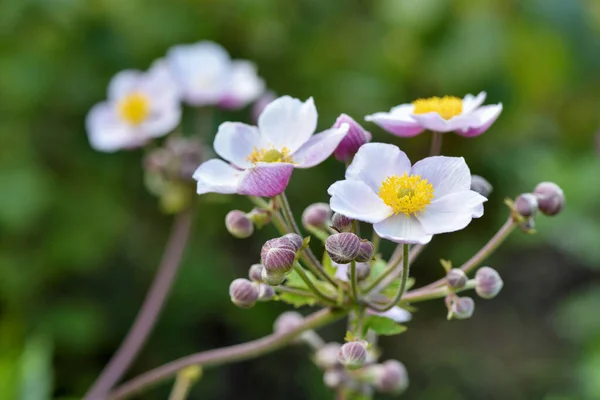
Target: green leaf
{"points": [[349, 337], [294, 280], [297, 300], [384, 326], [328, 265]]}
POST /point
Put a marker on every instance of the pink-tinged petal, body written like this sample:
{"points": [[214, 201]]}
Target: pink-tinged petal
{"points": [[450, 213], [398, 121], [486, 115], [356, 200], [319, 147], [288, 122], [396, 314], [401, 228], [161, 122], [123, 83], [244, 87], [236, 141], [376, 161], [356, 137], [107, 132], [470, 102], [341, 271], [446, 174], [434, 121], [216, 176], [266, 179]]}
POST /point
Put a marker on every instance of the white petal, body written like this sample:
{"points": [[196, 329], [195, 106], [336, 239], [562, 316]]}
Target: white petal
{"points": [[202, 71], [395, 313], [107, 132], [341, 271], [160, 85], [446, 174], [288, 122], [161, 122], [402, 229], [245, 85], [470, 102], [398, 121], [123, 83], [434, 121], [356, 200], [486, 116], [236, 141], [376, 161], [450, 213], [477, 211], [216, 176], [319, 147]]}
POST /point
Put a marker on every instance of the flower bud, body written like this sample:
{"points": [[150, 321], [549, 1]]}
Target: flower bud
{"points": [[353, 355], [243, 293], [480, 185], [334, 378], [316, 215], [259, 217], [341, 223], [365, 251], [238, 224], [295, 240], [272, 278], [255, 272], [342, 247], [327, 356], [362, 271], [488, 282], [278, 255], [551, 199], [456, 278], [462, 307], [356, 137], [287, 322], [265, 292], [526, 204], [391, 377]]}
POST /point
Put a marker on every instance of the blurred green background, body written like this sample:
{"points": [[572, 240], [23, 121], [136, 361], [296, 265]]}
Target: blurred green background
{"points": [[81, 237]]}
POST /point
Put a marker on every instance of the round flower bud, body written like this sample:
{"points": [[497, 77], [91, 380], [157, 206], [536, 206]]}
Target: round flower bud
{"points": [[526, 204], [551, 199], [287, 322], [365, 251], [341, 223], [295, 240], [255, 272], [488, 282], [272, 278], [265, 292], [259, 217], [356, 137], [327, 356], [279, 260], [391, 377], [316, 215], [342, 247], [334, 378], [238, 224], [480, 185], [463, 307], [353, 355], [243, 293], [362, 271], [456, 278]]}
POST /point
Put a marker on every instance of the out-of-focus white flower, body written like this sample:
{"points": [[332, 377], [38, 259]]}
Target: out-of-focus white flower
{"points": [[395, 313], [406, 204], [140, 106], [207, 76], [263, 158], [464, 116]]}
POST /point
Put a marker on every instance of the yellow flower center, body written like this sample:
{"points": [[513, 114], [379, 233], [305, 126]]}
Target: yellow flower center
{"points": [[270, 155], [447, 106], [406, 194], [134, 108]]}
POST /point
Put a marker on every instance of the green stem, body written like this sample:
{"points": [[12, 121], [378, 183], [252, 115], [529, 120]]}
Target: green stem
{"points": [[403, 280], [300, 292], [184, 381], [435, 293], [354, 280], [322, 296], [390, 268], [225, 355], [375, 239]]}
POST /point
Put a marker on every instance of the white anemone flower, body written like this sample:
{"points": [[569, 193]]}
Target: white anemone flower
{"points": [[140, 106], [406, 204], [467, 117], [262, 158], [207, 76]]}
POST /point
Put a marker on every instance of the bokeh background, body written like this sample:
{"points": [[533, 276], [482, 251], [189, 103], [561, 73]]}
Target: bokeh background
{"points": [[81, 236]]}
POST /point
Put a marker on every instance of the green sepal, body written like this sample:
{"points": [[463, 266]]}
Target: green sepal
{"points": [[383, 326], [297, 300]]}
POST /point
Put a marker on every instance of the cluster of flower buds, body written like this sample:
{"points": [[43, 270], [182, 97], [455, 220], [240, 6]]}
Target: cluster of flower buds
{"points": [[278, 257], [460, 307], [241, 225], [245, 293], [547, 198], [345, 247], [316, 215]]}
